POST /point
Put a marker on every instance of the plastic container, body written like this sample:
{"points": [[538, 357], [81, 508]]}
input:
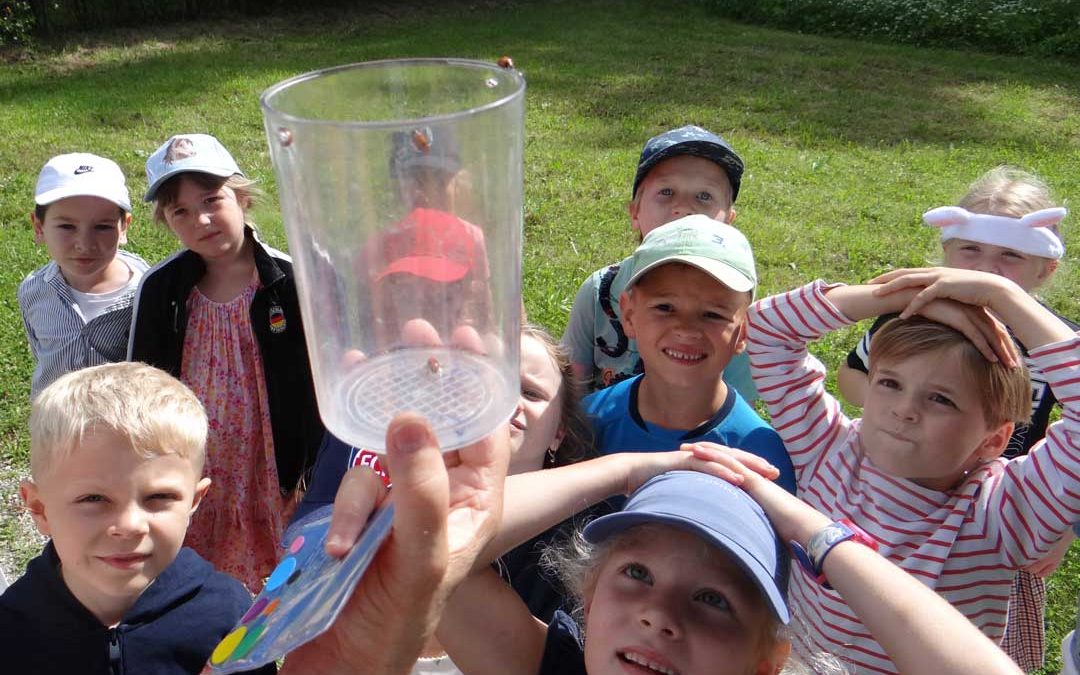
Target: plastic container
{"points": [[401, 189]]}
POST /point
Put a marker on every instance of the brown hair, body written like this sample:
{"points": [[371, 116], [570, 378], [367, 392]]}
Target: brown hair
{"points": [[244, 188], [1005, 392], [577, 443]]}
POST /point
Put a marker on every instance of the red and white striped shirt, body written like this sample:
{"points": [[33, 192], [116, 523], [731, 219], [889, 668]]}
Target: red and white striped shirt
{"points": [[965, 543]]}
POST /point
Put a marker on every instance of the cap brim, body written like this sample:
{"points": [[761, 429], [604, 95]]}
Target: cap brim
{"points": [[56, 194], [607, 526], [186, 168], [436, 269], [722, 272]]}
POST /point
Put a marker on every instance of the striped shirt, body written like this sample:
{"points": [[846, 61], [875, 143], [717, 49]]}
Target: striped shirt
{"points": [[60, 340], [966, 543]]}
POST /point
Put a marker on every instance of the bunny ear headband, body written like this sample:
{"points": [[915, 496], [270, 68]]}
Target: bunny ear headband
{"points": [[1030, 234]]}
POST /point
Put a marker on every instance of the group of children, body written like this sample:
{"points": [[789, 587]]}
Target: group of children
{"points": [[691, 572]]}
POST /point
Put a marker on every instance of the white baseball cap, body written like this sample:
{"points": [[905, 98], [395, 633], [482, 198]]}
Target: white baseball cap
{"points": [[81, 174], [201, 153]]}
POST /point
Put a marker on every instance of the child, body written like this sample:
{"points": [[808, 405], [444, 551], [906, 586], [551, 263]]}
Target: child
{"points": [[116, 454], [1028, 255], [223, 316], [680, 172], [922, 471], [77, 308], [685, 303], [691, 578]]}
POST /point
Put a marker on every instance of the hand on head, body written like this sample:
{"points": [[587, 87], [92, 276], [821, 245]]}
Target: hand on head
{"points": [[446, 508], [962, 299]]}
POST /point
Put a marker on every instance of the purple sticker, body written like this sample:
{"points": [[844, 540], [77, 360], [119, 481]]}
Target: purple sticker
{"points": [[296, 545], [256, 608]]}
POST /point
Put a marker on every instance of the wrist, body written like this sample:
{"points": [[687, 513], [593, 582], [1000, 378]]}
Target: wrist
{"points": [[811, 558]]}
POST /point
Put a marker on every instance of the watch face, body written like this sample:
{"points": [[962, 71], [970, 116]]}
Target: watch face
{"points": [[835, 535]]}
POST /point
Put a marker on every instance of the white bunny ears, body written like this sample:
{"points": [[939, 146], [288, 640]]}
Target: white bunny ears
{"points": [[1030, 234]]}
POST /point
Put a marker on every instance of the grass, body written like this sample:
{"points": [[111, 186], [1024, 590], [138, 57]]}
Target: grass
{"points": [[846, 143]]}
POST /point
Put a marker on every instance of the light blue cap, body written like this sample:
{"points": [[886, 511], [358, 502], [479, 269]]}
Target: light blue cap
{"points": [[182, 153]]}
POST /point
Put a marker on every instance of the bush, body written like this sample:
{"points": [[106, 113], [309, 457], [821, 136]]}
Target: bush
{"points": [[1048, 27], [16, 23]]}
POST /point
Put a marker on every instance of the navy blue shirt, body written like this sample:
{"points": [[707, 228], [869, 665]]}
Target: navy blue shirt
{"points": [[564, 649]]}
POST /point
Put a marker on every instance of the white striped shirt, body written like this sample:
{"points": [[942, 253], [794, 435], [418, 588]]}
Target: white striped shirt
{"points": [[966, 543], [60, 340]]}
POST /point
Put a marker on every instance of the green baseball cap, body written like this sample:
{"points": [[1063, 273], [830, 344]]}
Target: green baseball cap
{"points": [[715, 248]]}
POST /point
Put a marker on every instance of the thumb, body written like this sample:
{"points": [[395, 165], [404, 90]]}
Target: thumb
{"points": [[420, 495]]}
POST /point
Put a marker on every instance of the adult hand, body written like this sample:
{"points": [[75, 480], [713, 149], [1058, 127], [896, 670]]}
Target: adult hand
{"points": [[446, 507]]}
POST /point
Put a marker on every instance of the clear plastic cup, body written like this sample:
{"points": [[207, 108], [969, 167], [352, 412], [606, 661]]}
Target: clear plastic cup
{"points": [[401, 189]]}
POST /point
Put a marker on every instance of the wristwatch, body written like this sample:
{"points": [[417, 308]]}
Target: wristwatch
{"points": [[812, 558]]}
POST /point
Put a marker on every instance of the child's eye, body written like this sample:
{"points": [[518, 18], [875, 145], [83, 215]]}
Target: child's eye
{"points": [[888, 383], [969, 248], [637, 572], [105, 227], [65, 226], [704, 196], [664, 307], [715, 316], [713, 599], [1012, 254], [177, 213], [531, 394], [91, 499], [666, 192], [943, 400]]}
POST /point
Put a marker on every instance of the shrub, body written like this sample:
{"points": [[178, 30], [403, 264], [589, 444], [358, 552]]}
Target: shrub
{"points": [[1049, 27], [16, 23]]}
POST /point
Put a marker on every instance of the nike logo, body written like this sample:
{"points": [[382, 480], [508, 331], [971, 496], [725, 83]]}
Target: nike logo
{"points": [[83, 169]]}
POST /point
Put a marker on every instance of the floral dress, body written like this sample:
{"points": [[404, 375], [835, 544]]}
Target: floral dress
{"points": [[239, 523]]}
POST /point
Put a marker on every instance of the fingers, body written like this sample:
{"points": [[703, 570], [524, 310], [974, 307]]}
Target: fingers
{"points": [[896, 274], [713, 452], [360, 491], [420, 333]]}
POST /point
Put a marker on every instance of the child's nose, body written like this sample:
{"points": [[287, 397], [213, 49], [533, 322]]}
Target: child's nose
{"points": [[905, 409], [658, 617], [130, 521]]}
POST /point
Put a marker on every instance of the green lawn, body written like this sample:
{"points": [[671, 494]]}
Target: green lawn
{"points": [[846, 143]]}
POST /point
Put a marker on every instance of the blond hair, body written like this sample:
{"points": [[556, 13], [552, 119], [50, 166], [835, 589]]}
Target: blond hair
{"points": [[1009, 191], [154, 410], [244, 189], [1005, 393]]}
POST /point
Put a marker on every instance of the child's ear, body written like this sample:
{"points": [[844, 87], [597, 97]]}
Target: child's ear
{"points": [[995, 442], [200, 491], [28, 491], [1049, 267], [559, 436], [731, 213], [125, 223], [633, 207], [774, 661], [39, 228], [740, 337], [626, 311]]}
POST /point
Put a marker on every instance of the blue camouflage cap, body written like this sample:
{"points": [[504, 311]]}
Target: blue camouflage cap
{"points": [[694, 141]]}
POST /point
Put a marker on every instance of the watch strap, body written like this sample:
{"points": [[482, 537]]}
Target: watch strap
{"points": [[811, 558]]}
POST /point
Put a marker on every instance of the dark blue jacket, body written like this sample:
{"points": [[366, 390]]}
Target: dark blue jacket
{"points": [[172, 628]]}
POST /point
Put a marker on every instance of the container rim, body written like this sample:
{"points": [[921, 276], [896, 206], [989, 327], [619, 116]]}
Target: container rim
{"points": [[266, 99]]}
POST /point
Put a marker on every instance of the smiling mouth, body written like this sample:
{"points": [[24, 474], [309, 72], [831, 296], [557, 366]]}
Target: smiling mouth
{"points": [[686, 357], [647, 664]]}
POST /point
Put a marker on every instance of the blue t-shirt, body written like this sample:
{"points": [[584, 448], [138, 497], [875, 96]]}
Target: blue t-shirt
{"points": [[564, 649], [618, 427]]}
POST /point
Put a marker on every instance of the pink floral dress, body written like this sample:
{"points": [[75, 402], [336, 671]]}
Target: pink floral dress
{"points": [[239, 524]]}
